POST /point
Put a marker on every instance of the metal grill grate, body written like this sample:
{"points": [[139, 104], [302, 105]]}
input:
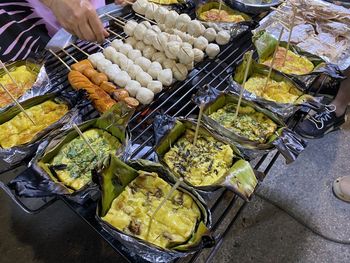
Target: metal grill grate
{"points": [[176, 101]]}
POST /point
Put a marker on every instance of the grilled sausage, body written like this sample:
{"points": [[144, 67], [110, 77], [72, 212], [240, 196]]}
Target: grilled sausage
{"points": [[81, 65], [108, 87], [98, 78]]}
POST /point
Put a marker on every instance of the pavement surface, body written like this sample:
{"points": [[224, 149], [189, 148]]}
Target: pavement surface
{"points": [[262, 233]]}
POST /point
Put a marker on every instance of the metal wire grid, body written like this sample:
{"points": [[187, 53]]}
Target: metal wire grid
{"points": [[224, 205]]}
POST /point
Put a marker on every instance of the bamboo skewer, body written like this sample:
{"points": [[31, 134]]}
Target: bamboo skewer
{"points": [[201, 108], [114, 33], [82, 51], [84, 139], [243, 84], [172, 190], [273, 58], [220, 6], [17, 103], [145, 18], [69, 55], [116, 19], [290, 34], [61, 60]]}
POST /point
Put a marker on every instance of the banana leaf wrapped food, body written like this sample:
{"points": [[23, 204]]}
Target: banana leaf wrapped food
{"points": [[30, 79], [301, 66], [279, 94], [254, 130], [212, 163], [226, 19], [131, 195], [63, 165], [210, 12], [51, 113]]}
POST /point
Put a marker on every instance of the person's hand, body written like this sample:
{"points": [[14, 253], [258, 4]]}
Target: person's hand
{"points": [[79, 18], [123, 2]]}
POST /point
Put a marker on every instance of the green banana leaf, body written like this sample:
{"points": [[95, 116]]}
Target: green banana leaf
{"points": [[114, 175], [168, 130], [12, 156], [284, 110], [265, 45], [113, 122], [213, 100]]}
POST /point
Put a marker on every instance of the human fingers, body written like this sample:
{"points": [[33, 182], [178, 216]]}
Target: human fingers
{"points": [[86, 31], [97, 27]]}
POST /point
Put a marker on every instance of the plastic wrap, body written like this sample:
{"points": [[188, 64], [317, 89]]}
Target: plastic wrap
{"points": [[241, 178], [287, 142], [46, 183], [265, 45], [41, 85], [284, 110], [235, 28], [75, 101], [114, 176]]}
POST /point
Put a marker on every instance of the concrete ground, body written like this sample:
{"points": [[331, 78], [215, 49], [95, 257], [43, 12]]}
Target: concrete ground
{"points": [[263, 233]]}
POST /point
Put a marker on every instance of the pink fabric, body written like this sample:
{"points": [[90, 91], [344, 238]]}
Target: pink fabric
{"points": [[49, 19]]}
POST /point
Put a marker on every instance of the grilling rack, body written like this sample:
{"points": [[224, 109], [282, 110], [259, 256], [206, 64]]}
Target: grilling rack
{"points": [[225, 206]]}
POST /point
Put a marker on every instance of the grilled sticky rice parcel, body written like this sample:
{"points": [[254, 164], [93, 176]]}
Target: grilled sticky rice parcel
{"points": [[20, 130], [202, 164], [249, 123], [278, 91], [293, 64], [75, 160], [132, 210]]}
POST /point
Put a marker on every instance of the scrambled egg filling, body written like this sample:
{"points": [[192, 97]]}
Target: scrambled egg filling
{"points": [[249, 123], [293, 64], [20, 130], [278, 91], [23, 77], [173, 224], [75, 160], [215, 15], [202, 164]]}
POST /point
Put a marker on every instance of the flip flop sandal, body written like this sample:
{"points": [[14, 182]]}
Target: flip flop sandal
{"points": [[341, 188]]}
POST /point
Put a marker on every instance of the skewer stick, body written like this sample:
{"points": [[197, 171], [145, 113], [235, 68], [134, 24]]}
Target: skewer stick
{"points": [[145, 18], [172, 190], [17, 103], [82, 51], [9, 93], [273, 58], [84, 139], [69, 55], [114, 33], [220, 6], [64, 63], [115, 19], [201, 108], [243, 84], [290, 35]]}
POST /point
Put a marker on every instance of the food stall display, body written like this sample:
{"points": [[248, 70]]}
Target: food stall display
{"points": [[136, 96]]}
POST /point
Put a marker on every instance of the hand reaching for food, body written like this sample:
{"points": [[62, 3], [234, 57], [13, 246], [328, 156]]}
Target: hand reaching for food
{"points": [[123, 2], [79, 18]]}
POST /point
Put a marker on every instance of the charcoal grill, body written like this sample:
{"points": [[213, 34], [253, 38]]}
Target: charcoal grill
{"points": [[175, 101]]}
